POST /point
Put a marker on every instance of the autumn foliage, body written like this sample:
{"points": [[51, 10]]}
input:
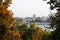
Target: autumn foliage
{"points": [[7, 27]]}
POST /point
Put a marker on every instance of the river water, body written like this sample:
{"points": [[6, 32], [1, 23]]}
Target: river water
{"points": [[42, 25]]}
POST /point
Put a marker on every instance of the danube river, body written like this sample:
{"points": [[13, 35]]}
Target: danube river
{"points": [[42, 25]]}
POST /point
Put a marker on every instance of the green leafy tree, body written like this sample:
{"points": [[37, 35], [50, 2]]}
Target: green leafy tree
{"points": [[55, 24], [23, 27], [28, 31], [55, 20], [46, 36]]}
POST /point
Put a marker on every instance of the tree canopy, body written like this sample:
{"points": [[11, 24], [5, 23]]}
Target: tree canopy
{"points": [[55, 20], [7, 26]]}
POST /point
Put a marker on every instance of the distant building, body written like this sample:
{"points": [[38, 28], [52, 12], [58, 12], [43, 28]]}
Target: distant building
{"points": [[29, 20], [34, 17]]}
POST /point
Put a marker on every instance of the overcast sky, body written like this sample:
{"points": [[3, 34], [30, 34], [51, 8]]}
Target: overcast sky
{"points": [[27, 8]]}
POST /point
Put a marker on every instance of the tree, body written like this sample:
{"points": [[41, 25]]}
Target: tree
{"points": [[27, 31], [23, 27], [7, 26], [55, 20], [54, 4], [35, 32], [28, 34], [55, 24], [33, 25], [46, 36], [30, 31]]}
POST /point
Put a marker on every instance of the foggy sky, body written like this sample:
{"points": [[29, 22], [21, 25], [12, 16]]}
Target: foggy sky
{"points": [[27, 8]]}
